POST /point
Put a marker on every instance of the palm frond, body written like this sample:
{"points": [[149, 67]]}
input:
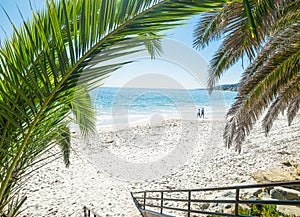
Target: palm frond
{"points": [[251, 22], [83, 110], [238, 23], [293, 108], [210, 27], [45, 60], [285, 98], [274, 69], [278, 106], [64, 141]]}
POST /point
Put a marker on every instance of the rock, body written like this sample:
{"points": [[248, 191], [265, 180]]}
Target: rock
{"points": [[289, 210], [282, 193], [298, 169], [227, 209], [273, 175], [251, 192], [228, 206], [264, 196], [276, 195], [229, 194], [258, 192], [213, 205], [204, 206], [287, 163], [284, 152]]}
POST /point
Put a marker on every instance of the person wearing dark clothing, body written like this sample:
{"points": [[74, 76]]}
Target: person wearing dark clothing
{"points": [[202, 112], [199, 113]]}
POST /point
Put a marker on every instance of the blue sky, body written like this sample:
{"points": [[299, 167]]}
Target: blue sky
{"points": [[176, 66]]}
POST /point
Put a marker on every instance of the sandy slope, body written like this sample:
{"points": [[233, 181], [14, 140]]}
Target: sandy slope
{"points": [[154, 155]]}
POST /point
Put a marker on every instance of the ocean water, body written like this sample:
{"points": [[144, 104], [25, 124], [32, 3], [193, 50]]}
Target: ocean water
{"points": [[130, 105]]}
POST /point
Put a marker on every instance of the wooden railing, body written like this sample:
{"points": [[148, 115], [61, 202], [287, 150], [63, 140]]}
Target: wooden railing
{"points": [[155, 201]]}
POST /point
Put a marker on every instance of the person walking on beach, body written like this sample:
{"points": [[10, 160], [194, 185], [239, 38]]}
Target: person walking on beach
{"points": [[202, 112], [199, 113]]}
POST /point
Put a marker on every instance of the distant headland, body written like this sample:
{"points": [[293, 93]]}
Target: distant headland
{"points": [[227, 87]]}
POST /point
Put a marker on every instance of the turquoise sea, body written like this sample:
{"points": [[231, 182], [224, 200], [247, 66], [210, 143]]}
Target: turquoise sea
{"points": [[129, 105]]}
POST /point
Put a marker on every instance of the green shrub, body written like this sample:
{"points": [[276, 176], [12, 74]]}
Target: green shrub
{"points": [[260, 210]]}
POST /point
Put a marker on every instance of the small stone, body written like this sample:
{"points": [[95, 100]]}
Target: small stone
{"points": [[227, 209], [204, 206], [286, 163], [229, 194], [213, 205], [258, 192], [228, 206]]}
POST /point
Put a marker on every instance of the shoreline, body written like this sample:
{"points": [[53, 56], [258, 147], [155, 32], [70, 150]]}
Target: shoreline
{"points": [[96, 181], [154, 119]]}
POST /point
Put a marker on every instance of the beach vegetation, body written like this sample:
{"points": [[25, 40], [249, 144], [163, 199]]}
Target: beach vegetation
{"points": [[266, 210], [266, 34]]}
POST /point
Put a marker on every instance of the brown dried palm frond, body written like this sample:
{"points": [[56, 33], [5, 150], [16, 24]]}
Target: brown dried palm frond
{"points": [[277, 65], [281, 103], [287, 13], [293, 108]]}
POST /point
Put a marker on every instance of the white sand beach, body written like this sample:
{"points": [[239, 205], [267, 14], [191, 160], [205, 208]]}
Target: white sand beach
{"points": [[155, 155]]}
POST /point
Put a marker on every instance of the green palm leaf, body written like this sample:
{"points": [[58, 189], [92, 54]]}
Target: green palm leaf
{"points": [[50, 63]]}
